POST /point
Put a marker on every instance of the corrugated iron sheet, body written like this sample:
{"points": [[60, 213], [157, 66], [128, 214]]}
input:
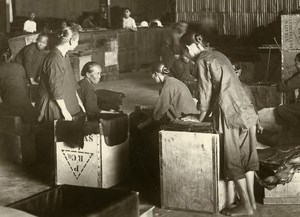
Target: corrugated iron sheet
{"points": [[234, 17]]}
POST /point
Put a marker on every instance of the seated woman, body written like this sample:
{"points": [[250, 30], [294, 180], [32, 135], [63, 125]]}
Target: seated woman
{"points": [[13, 91], [32, 56], [88, 22], [92, 74], [175, 100]]}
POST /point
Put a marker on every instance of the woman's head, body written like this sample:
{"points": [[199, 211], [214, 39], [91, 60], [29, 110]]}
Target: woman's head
{"points": [[63, 24], [69, 38], [159, 71], [31, 15], [192, 44], [127, 12], [92, 71], [42, 41]]}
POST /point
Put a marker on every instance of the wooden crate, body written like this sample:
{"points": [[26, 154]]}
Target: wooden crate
{"points": [[17, 141], [77, 201], [95, 165], [190, 178], [77, 63], [284, 194]]}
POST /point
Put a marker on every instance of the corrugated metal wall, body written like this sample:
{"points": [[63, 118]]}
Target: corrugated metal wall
{"points": [[233, 17]]}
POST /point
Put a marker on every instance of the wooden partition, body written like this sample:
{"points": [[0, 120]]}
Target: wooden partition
{"points": [[134, 48]]}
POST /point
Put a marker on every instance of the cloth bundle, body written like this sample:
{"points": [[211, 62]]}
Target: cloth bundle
{"points": [[73, 132], [278, 163], [108, 100], [114, 128]]}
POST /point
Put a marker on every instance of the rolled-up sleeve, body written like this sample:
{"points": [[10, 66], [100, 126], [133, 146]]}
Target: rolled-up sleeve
{"points": [[204, 85], [56, 79]]}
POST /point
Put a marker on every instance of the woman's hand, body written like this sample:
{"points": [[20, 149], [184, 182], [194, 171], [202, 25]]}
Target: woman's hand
{"points": [[66, 114]]}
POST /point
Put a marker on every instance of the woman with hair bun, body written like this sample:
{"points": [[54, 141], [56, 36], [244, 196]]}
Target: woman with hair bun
{"points": [[58, 98]]}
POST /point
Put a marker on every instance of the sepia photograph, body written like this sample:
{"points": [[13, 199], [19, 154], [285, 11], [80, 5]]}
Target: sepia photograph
{"points": [[149, 108]]}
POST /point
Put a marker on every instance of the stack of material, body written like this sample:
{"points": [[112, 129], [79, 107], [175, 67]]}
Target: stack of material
{"points": [[106, 54], [265, 95], [109, 100], [187, 126]]}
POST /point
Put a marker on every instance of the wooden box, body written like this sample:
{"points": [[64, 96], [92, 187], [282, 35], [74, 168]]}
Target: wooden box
{"points": [[17, 141], [95, 165], [284, 194], [80, 201], [190, 178], [77, 63]]}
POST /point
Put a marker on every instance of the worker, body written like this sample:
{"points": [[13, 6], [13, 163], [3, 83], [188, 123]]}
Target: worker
{"points": [[30, 24], [184, 70], [58, 98], [103, 18], [128, 22], [289, 115], [175, 100], [13, 90], [88, 22], [222, 94], [32, 56], [91, 72], [171, 46]]}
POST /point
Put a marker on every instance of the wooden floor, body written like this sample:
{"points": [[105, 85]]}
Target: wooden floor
{"points": [[16, 183]]}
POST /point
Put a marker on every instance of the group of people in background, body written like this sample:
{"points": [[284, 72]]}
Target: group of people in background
{"points": [[91, 21]]}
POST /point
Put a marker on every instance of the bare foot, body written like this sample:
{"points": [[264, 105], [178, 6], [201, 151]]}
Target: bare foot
{"points": [[253, 206], [237, 211], [230, 206]]}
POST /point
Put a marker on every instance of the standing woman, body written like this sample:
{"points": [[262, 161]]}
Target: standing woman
{"points": [[128, 21], [58, 98], [32, 56]]}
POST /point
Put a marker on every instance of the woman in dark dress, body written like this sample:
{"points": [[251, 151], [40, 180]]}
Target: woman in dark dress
{"points": [[32, 56], [58, 98], [92, 74], [13, 91]]}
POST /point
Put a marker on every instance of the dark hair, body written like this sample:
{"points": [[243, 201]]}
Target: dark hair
{"points": [[297, 57], [191, 37], [127, 9], [67, 34], [87, 68], [43, 35]]}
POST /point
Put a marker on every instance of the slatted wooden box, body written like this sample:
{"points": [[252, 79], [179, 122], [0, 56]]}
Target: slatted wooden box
{"points": [[284, 194], [95, 165], [190, 178]]}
